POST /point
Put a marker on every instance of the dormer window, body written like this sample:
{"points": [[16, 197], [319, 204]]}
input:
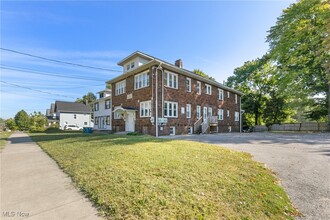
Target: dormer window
{"points": [[101, 95], [132, 65], [128, 67]]}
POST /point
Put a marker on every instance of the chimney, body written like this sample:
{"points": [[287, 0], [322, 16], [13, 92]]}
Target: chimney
{"points": [[179, 63]]}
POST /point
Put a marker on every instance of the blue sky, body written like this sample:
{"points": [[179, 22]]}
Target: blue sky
{"points": [[214, 36]]}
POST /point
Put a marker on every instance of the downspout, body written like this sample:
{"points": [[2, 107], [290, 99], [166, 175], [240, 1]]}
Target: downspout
{"points": [[156, 118], [240, 114]]}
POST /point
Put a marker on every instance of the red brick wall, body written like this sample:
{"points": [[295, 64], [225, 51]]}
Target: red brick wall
{"points": [[179, 95]]}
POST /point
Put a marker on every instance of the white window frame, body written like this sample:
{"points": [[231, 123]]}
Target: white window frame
{"points": [[120, 87], [141, 80], [96, 106], [209, 111], [117, 115], [220, 95], [204, 113], [188, 110], [107, 104], [190, 130], [235, 98], [132, 65], [220, 114], [171, 80], [199, 88], [236, 116], [145, 109], [228, 113], [198, 111], [173, 110], [228, 94], [128, 66], [188, 84], [208, 89], [173, 129]]}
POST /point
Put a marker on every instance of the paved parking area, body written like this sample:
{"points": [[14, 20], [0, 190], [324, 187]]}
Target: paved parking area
{"points": [[301, 161]]}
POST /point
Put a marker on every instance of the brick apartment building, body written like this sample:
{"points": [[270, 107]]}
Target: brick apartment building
{"points": [[153, 93]]}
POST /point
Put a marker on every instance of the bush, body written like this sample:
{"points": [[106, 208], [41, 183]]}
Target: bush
{"points": [[134, 134], [53, 130]]}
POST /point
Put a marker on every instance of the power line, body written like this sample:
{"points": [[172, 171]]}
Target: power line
{"points": [[59, 61], [36, 90], [25, 70], [2, 91]]}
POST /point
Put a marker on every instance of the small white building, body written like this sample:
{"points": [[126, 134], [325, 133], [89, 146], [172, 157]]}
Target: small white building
{"points": [[73, 113], [102, 111]]}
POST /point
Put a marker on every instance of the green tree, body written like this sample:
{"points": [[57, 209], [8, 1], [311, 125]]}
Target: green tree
{"points": [[201, 73], [38, 121], [89, 98], [10, 123], [299, 43], [22, 120]]}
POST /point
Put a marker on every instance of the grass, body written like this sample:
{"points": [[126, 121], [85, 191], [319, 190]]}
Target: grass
{"points": [[140, 177], [3, 138]]}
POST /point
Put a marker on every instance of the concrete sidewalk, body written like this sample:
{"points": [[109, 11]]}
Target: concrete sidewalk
{"points": [[33, 186]]}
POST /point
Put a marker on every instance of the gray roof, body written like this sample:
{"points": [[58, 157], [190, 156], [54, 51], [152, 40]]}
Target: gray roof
{"points": [[74, 107]]}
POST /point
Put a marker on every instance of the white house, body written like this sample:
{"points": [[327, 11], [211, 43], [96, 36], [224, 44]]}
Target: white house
{"points": [[102, 111], [73, 113]]}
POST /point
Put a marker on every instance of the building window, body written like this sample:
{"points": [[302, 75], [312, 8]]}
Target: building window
{"points": [[235, 98], [132, 65], [74, 116], [127, 67], [199, 87], [108, 120], [188, 110], [198, 111], [236, 116], [204, 113], [121, 87], [190, 130], [85, 123], [228, 113], [101, 95], [141, 80], [209, 111], [228, 94], [171, 109], [208, 89], [171, 80], [96, 106], [172, 130], [220, 94], [220, 114], [188, 84], [145, 109], [107, 104], [117, 115], [96, 122]]}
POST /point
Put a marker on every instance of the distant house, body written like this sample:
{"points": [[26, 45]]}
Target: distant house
{"points": [[70, 113], [155, 97], [51, 116], [102, 111]]}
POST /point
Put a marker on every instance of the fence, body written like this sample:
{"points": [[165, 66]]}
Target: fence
{"points": [[305, 126]]}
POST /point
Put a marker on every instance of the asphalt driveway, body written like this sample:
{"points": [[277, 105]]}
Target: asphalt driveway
{"points": [[301, 161]]}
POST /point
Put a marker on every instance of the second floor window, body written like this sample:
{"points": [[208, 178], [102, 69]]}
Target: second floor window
{"points": [[107, 104], [145, 109], [171, 109], [198, 111], [220, 94], [228, 113], [199, 87], [208, 89], [121, 87], [171, 80], [228, 94], [236, 99], [96, 106], [141, 80], [188, 84], [236, 116]]}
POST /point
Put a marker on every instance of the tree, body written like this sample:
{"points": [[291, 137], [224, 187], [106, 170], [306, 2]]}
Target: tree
{"points": [[10, 123], [89, 98], [22, 120], [201, 73], [38, 121], [299, 43]]}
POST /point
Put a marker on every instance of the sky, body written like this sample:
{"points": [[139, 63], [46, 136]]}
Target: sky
{"points": [[214, 36]]}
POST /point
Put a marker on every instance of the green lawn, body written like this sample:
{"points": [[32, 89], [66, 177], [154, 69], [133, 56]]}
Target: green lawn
{"points": [[3, 138], [140, 177]]}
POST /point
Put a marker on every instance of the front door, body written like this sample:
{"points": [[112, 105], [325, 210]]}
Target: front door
{"points": [[130, 121]]}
